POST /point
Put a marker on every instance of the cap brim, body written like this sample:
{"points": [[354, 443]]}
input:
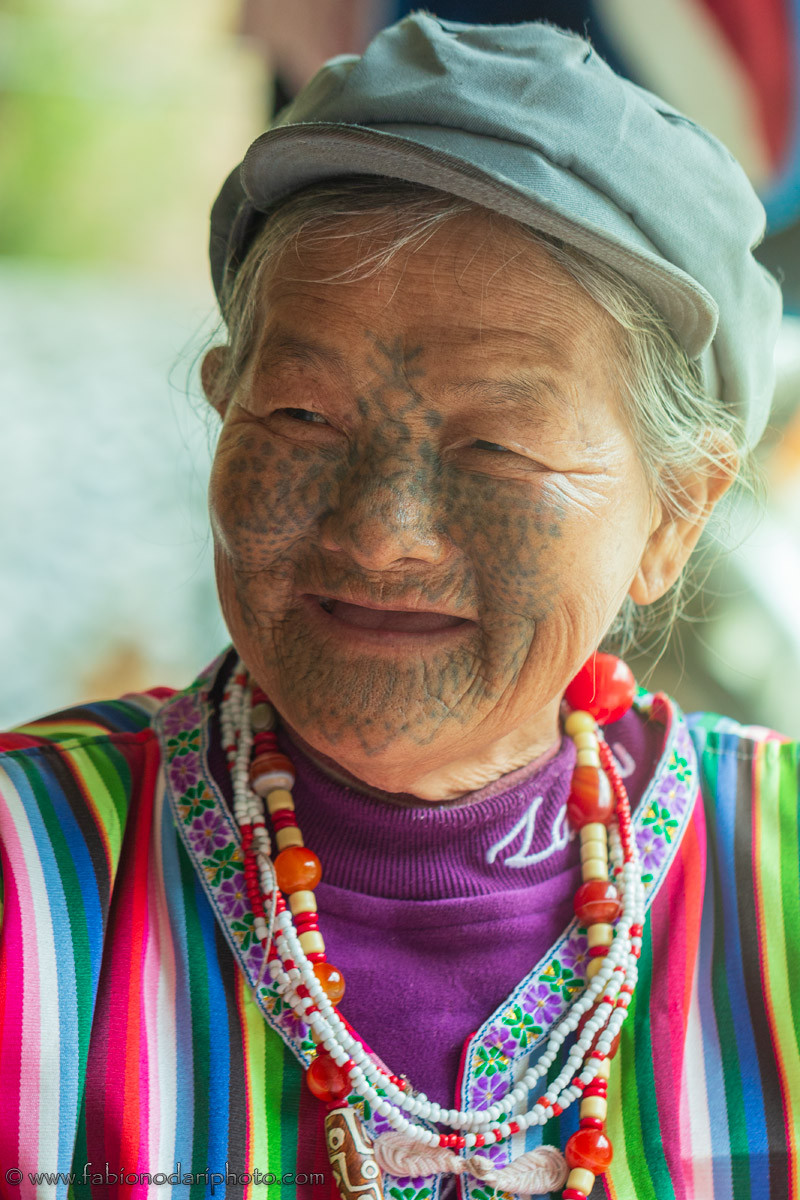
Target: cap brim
{"points": [[553, 201]]}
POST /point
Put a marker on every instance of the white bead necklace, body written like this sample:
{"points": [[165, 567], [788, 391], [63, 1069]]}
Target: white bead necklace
{"points": [[295, 980]]}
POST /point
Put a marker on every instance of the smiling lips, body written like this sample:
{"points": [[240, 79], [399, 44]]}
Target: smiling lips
{"points": [[389, 620]]}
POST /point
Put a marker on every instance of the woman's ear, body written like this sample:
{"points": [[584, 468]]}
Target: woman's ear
{"points": [[211, 375], [675, 533]]}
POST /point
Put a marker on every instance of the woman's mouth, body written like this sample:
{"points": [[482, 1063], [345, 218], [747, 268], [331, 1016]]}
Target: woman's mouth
{"points": [[378, 624]]}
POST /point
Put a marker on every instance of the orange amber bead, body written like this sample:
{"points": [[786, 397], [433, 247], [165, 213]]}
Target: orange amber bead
{"points": [[590, 1150], [597, 902], [271, 770], [297, 869], [331, 980], [326, 1080], [590, 798]]}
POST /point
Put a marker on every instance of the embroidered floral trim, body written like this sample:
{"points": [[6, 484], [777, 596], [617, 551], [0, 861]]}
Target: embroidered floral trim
{"points": [[503, 1048]]}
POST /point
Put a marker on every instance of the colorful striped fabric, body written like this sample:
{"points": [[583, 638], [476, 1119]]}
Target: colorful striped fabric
{"points": [[133, 1031]]}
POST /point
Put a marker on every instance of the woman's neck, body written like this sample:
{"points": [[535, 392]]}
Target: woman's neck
{"points": [[476, 781]]}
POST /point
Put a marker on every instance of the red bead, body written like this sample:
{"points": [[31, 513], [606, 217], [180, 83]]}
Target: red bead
{"points": [[590, 798], [604, 687], [283, 818], [573, 1194], [306, 923], [480, 1140], [598, 951], [591, 1123], [331, 980], [326, 1080], [297, 869], [590, 1150], [597, 902]]}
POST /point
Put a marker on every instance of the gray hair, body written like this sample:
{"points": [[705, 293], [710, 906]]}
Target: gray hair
{"points": [[669, 411]]}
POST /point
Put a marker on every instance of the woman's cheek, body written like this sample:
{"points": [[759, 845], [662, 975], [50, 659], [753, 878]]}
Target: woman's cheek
{"points": [[261, 497]]}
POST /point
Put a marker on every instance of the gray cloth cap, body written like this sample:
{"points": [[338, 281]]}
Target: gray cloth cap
{"points": [[529, 121]]}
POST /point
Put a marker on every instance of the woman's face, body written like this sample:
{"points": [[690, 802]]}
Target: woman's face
{"points": [[426, 505]]}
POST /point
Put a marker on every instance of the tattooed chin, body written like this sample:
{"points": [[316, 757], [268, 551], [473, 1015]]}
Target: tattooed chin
{"points": [[383, 696]]}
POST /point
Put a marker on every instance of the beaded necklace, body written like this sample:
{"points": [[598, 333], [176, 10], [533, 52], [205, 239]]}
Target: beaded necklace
{"points": [[294, 955]]}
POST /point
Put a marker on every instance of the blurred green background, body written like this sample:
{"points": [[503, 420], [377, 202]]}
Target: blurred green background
{"points": [[118, 121]]}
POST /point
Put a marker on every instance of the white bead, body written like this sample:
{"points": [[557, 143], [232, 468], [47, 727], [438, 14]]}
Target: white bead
{"points": [[578, 722], [262, 717]]}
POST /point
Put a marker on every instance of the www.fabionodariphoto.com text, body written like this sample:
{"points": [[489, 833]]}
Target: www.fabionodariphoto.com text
{"points": [[93, 1175]]}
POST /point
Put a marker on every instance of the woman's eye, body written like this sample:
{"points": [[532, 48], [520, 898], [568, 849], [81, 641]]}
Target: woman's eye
{"points": [[479, 444], [303, 414]]}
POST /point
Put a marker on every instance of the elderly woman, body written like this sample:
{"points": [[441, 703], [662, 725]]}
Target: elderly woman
{"points": [[496, 346]]}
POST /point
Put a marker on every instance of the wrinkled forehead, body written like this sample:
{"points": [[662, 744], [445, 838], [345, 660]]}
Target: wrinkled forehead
{"points": [[476, 286]]}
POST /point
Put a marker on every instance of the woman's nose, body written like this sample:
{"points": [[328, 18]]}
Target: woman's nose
{"points": [[385, 514]]}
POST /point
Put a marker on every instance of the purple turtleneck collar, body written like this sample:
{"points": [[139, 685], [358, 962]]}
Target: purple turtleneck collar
{"points": [[435, 912], [432, 851]]}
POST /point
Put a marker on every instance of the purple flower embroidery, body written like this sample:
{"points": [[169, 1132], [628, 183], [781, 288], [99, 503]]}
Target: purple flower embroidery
{"points": [[184, 772], [651, 849], [543, 1004], [575, 954], [506, 1043], [292, 1026], [181, 714], [207, 834], [488, 1089], [232, 897], [381, 1124], [497, 1154]]}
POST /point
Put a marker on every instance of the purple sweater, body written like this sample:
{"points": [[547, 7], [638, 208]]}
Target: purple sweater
{"points": [[466, 897]]}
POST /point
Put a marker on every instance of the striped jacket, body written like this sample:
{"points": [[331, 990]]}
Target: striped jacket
{"points": [[140, 1052]]}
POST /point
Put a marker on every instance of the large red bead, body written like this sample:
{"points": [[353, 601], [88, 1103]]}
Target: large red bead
{"points": [[604, 686], [326, 1080], [597, 902], [297, 869], [590, 798], [331, 980], [589, 1149]]}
